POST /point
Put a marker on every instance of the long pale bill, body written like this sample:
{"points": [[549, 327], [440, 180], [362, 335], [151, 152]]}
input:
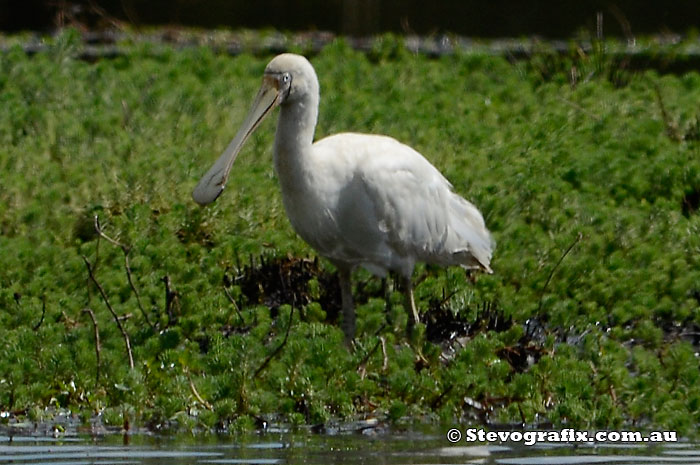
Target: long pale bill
{"points": [[213, 182]]}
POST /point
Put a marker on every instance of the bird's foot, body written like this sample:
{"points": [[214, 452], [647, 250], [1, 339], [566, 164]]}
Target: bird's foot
{"points": [[350, 343]]}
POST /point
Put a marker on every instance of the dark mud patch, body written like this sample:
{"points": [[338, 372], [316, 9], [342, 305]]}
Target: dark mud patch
{"points": [[276, 281], [451, 330], [690, 202], [442, 324]]}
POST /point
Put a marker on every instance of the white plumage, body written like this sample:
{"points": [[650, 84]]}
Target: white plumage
{"points": [[358, 199]]}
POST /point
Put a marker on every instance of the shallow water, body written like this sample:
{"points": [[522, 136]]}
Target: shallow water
{"points": [[285, 448]]}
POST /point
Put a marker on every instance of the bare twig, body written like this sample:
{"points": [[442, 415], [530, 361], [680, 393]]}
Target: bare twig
{"points": [[193, 388], [127, 343], [172, 301], [235, 305], [523, 418], [43, 313], [672, 129], [98, 228], [554, 268], [69, 322], [385, 361], [94, 270], [127, 267], [623, 22], [98, 347], [365, 359], [125, 249], [437, 402], [277, 350], [583, 110], [446, 298], [380, 342], [97, 255]]}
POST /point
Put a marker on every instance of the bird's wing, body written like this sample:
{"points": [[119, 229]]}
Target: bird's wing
{"points": [[415, 205], [408, 201]]}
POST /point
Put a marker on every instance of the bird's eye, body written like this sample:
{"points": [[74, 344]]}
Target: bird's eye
{"points": [[286, 78]]}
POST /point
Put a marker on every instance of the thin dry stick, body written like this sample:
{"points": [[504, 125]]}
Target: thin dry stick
{"points": [[277, 350], [385, 361], [94, 269], [235, 305], [583, 110], [438, 400], [43, 313], [623, 22], [171, 299], [362, 366], [446, 298], [125, 249], [380, 341], [551, 273], [206, 404], [672, 129], [114, 314], [98, 347]]}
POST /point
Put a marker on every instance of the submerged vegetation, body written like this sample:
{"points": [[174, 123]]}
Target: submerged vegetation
{"points": [[119, 296]]}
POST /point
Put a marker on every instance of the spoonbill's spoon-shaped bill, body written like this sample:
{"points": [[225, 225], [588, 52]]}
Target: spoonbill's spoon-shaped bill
{"points": [[213, 182]]}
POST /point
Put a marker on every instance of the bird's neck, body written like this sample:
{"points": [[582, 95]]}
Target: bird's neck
{"points": [[293, 140]]}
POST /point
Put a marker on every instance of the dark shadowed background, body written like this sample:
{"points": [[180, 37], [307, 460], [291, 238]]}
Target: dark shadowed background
{"points": [[496, 18]]}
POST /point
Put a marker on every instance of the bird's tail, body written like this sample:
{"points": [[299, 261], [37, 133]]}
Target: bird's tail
{"points": [[473, 246]]}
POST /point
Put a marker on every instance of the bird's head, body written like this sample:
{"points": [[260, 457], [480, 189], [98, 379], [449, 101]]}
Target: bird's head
{"points": [[291, 76], [288, 78]]}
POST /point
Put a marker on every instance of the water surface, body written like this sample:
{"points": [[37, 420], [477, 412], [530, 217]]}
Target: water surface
{"points": [[422, 447]]}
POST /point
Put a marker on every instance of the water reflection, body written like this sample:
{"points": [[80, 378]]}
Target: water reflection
{"points": [[284, 448]]}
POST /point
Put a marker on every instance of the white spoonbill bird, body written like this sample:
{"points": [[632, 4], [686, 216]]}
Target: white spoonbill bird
{"points": [[358, 199]]}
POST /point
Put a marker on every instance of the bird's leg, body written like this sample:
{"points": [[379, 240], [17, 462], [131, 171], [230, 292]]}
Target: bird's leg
{"points": [[409, 303], [387, 300], [348, 324]]}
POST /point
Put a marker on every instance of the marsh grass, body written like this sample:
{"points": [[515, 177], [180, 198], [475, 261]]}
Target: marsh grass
{"points": [[608, 338]]}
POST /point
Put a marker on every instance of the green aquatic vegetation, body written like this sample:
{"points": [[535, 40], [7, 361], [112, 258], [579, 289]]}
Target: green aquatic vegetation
{"points": [[590, 188]]}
